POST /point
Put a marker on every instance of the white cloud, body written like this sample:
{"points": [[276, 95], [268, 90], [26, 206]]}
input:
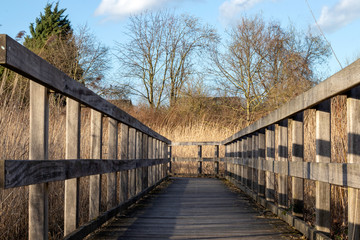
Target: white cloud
{"points": [[341, 14], [117, 9], [231, 8]]}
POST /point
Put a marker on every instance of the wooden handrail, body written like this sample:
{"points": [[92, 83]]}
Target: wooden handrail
{"points": [[23, 61]]}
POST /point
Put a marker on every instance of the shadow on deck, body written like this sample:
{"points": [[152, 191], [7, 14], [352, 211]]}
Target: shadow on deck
{"points": [[196, 208]]}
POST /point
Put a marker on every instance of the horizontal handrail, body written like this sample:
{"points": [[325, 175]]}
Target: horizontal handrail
{"points": [[23, 61], [17, 173], [195, 143], [338, 83], [341, 174]]}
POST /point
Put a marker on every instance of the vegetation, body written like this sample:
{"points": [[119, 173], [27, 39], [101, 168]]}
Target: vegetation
{"points": [[260, 66]]}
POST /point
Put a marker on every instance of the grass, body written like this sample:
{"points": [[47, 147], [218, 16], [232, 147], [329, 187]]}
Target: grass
{"points": [[178, 125]]}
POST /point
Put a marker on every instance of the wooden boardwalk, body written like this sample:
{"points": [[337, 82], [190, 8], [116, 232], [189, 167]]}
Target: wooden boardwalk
{"points": [[195, 208]]}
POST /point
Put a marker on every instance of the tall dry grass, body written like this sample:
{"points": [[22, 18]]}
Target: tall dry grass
{"points": [[185, 123]]}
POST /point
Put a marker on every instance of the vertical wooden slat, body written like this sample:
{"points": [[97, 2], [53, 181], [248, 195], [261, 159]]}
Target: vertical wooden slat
{"points": [[241, 158], [139, 153], [132, 155], [323, 155], [112, 154], [245, 160], [95, 153], [199, 161], [151, 156], [297, 135], [270, 155], [249, 160], [353, 156], [255, 143], [71, 208], [38, 150], [216, 155], [283, 157], [124, 154], [145, 156], [261, 157]]}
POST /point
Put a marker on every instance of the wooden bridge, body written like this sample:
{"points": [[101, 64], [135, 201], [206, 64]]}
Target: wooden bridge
{"points": [[261, 159]]}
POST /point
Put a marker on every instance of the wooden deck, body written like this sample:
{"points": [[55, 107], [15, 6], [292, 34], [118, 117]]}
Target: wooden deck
{"points": [[196, 208]]}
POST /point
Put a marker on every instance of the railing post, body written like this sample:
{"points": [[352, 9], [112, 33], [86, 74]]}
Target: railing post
{"points": [[132, 156], [282, 157], [254, 162], [151, 156], [112, 154], [353, 156], [297, 136], [241, 159], [145, 170], [261, 158], [249, 161], [124, 154], [199, 159], [244, 142], [138, 171], [216, 155], [169, 157], [237, 166], [95, 153], [38, 149], [270, 156], [323, 155], [71, 202]]}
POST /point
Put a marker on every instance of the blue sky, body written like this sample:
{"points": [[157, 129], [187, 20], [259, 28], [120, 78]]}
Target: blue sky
{"points": [[339, 19]]}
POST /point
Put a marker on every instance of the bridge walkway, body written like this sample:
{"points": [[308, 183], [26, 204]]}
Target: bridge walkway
{"points": [[196, 208]]}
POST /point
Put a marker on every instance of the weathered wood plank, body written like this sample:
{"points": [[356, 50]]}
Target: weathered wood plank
{"points": [[95, 153], [195, 143], [18, 173], [353, 156], [38, 149], [112, 154], [71, 204], [338, 83], [21, 60], [194, 209]]}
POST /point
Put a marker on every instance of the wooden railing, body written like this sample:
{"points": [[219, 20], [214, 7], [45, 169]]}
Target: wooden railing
{"points": [[260, 152], [199, 160], [143, 153]]}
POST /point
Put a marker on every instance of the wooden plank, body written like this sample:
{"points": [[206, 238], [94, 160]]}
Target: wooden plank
{"points": [[338, 83], [353, 156], [283, 158], [323, 155], [132, 156], [195, 209], [17, 173], [138, 171], [112, 154], [297, 155], [124, 154], [71, 208], [95, 153], [38, 149], [92, 225], [194, 143], [23, 61]]}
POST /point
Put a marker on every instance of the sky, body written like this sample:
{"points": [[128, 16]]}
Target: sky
{"points": [[339, 20]]}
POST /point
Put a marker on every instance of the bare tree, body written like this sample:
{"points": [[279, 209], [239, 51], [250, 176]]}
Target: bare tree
{"points": [[160, 53], [263, 63]]}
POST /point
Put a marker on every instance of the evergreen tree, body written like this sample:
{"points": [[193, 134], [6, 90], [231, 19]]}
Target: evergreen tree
{"points": [[51, 23]]}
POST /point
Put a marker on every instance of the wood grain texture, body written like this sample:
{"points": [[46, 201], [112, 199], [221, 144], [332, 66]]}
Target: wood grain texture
{"points": [[21, 60], [18, 173], [195, 208], [195, 143], [38, 149], [338, 83]]}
